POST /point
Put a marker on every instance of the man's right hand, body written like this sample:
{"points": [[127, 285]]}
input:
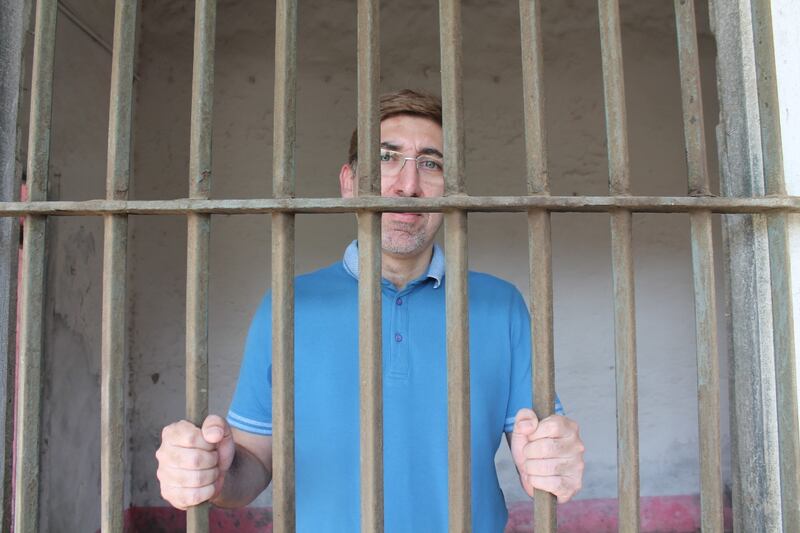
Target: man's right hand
{"points": [[192, 461]]}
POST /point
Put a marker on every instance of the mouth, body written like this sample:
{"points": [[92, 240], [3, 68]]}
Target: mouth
{"points": [[403, 217]]}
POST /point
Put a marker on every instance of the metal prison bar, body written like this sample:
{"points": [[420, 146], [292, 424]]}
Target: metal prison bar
{"points": [[368, 206]]}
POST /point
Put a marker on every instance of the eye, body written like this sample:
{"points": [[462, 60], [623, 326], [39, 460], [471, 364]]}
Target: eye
{"points": [[430, 164], [388, 155]]}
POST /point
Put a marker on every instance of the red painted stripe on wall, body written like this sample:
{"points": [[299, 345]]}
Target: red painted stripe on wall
{"points": [[660, 514]]}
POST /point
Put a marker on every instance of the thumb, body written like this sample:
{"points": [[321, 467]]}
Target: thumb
{"points": [[217, 431], [525, 424]]}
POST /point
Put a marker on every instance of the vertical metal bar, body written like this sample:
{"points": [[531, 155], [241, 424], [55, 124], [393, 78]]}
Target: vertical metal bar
{"points": [[707, 372], [622, 263], [753, 420], [780, 268], [283, 186], [198, 232], [26, 507], [369, 282], [703, 273], [115, 252], [14, 23], [456, 296], [539, 244], [458, 393]]}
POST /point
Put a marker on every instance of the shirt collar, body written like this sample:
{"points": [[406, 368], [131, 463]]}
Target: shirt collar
{"points": [[435, 269]]}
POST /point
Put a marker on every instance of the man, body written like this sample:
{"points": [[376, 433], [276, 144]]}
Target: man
{"points": [[229, 461]]}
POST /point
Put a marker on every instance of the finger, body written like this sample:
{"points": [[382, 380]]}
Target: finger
{"points": [[525, 423], [547, 448], [188, 479], [187, 458], [562, 487], [185, 435], [183, 498], [548, 467], [215, 429], [555, 426]]}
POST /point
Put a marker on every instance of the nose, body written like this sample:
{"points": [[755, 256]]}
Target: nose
{"points": [[406, 182]]}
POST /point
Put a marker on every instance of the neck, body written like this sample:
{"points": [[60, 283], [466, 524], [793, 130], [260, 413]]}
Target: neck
{"points": [[400, 270]]}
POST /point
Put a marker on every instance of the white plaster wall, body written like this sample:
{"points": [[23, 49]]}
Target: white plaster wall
{"points": [[495, 162], [786, 17]]}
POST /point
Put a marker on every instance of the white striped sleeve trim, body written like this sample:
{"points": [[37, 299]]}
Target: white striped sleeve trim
{"points": [[249, 425]]}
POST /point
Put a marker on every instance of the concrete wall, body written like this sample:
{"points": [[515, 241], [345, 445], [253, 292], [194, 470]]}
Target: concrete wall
{"points": [[495, 162], [326, 116]]}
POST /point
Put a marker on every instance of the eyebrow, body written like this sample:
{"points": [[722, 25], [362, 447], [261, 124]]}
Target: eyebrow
{"points": [[424, 151]]}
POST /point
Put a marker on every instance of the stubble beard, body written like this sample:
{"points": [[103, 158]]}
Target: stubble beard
{"points": [[403, 238]]}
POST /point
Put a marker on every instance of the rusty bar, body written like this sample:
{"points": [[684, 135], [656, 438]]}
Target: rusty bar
{"points": [[614, 90], [691, 98], [622, 261], [283, 472], [533, 96], [780, 267], [457, 317], [198, 231], [703, 273], [369, 281], [477, 204], [707, 372], [627, 395], [543, 381], [29, 393], [452, 100], [370, 370], [539, 245], [115, 252], [14, 25], [283, 238], [458, 394]]}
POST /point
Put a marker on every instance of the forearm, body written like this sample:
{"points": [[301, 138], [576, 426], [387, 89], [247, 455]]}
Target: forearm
{"points": [[244, 481]]}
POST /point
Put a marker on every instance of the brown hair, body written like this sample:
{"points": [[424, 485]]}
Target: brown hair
{"points": [[403, 102]]}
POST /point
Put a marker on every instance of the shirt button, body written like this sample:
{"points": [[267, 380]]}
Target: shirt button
{"points": [[399, 301], [398, 337]]}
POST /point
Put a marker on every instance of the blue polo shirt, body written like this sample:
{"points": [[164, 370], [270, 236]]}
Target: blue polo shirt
{"points": [[414, 395]]}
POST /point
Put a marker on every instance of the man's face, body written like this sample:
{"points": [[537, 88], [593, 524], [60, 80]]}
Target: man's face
{"points": [[407, 234]]}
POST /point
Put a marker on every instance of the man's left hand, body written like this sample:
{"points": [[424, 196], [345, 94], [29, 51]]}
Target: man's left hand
{"points": [[548, 454]]}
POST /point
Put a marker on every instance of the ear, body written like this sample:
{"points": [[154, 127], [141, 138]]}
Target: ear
{"points": [[347, 181]]}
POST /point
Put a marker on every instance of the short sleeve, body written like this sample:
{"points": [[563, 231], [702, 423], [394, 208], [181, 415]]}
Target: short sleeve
{"points": [[251, 407], [521, 394]]}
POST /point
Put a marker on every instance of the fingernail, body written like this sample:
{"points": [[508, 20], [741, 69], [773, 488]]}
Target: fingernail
{"points": [[214, 432], [525, 425]]}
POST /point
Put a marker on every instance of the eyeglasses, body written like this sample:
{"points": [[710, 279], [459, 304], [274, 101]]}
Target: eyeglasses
{"points": [[392, 163]]}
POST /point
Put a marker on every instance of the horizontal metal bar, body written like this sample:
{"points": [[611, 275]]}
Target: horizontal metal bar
{"points": [[576, 204]]}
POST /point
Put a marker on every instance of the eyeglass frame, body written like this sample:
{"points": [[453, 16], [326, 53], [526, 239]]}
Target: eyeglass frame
{"points": [[426, 157]]}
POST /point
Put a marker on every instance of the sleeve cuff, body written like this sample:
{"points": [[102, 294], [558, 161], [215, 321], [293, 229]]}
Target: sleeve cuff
{"points": [[248, 424]]}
